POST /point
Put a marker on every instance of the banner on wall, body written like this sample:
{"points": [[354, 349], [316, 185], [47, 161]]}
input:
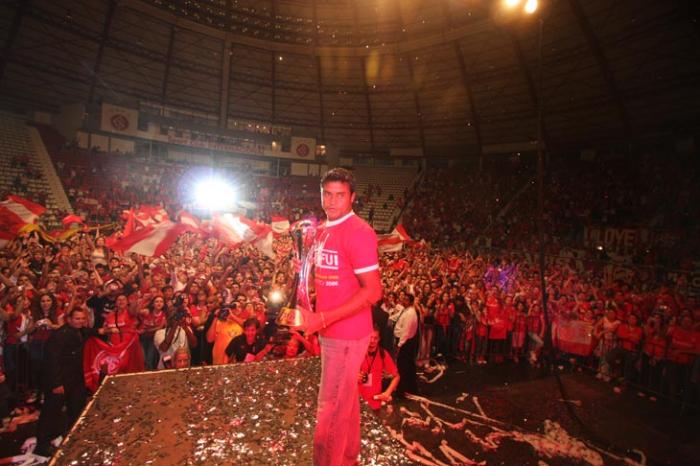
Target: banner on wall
{"points": [[122, 120], [619, 243], [304, 148]]}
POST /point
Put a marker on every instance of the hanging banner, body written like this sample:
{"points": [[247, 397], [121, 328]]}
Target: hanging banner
{"points": [[619, 243], [304, 148], [120, 120]]}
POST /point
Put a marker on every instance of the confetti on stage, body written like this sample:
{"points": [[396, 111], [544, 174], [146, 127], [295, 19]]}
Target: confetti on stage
{"points": [[258, 413]]}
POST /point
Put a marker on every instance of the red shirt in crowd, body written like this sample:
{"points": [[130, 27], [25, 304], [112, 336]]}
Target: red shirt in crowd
{"points": [[684, 343], [375, 366], [629, 336]]}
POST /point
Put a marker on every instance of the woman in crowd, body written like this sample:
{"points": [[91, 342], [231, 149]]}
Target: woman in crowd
{"points": [[605, 333], [151, 319], [45, 318]]}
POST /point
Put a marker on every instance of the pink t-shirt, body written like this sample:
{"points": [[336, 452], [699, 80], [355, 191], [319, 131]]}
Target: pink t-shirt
{"points": [[348, 247]]}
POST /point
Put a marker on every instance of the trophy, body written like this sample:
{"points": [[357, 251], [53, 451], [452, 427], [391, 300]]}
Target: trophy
{"points": [[303, 233]]}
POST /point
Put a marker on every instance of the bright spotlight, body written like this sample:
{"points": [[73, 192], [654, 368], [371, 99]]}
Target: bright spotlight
{"points": [[276, 296], [214, 194], [511, 3], [530, 6]]}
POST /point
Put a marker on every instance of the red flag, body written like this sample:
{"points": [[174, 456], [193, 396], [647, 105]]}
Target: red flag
{"points": [[394, 241], [119, 359], [150, 215], [575, 337], [187, 218], [5, 238], [236, 229], [152, 240], [72, 218], [17, 212], [280, 225]]}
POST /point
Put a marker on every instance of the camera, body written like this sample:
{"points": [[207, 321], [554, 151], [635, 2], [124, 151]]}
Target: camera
{"points": [[179, 301], [225, 311], [179, 315]]}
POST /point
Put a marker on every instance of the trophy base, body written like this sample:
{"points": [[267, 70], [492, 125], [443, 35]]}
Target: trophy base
{"points": [[290, 317]]}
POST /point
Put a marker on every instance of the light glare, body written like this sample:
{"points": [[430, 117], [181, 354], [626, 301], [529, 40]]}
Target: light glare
{"points": [[511, 3], [276, 296], [530, 6], [214, 194]]}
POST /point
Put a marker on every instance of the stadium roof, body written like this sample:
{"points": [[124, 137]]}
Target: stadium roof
{"points": [[442, 75]]}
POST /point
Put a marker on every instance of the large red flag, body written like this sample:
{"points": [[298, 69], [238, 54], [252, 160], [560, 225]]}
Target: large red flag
{"points": [[236, 229], [115, 359], [575, 336], [17, 212], [189, 219], [394, 241], [151, 215], [72, 218], [152, 240], [280, 225]]}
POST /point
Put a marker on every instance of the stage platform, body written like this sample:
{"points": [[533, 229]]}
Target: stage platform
{"points": [[244, 414], [264, 413]]}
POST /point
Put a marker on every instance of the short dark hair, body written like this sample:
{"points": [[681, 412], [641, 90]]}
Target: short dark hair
{"points": [[251, 322], [342, 175], [76, 309]]}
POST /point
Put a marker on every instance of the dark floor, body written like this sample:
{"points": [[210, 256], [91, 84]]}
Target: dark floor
{"points": [[517, 400], [522, 397]]}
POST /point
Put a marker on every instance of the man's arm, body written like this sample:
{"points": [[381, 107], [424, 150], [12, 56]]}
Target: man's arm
{"points": [[369, 293]]}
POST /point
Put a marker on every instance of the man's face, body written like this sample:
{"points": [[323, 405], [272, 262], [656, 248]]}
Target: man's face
{"points": [[373, 342], [250, 332], [182, 361], [77, 320], [336, 199]]}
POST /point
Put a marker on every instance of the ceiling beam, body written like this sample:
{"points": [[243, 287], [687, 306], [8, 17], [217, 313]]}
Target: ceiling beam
{"points": [[168, 61], [363, 70], [414, 84], [12, 35], [100, 50], [319, 76], [531, 88], [225, 83], [273, 63], [475, 122], [597, 50]]}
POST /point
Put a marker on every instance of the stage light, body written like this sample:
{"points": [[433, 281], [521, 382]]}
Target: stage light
{"points": [[599, 248], [214, 194], [276, 296], [511, 3], [530, 6]]}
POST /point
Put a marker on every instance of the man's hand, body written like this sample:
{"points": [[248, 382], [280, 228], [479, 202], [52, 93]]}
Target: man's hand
{"points": [[58, 390], [312, 322], [384, 396]]}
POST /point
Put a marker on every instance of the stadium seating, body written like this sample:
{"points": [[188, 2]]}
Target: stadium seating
{"points": [[26, 169]]}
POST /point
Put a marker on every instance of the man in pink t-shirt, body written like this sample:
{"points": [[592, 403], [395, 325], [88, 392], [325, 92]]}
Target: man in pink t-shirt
{"points": [[347, 283]]}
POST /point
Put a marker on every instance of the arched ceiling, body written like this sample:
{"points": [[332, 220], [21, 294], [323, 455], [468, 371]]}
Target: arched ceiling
{"points": [[450, 76]]}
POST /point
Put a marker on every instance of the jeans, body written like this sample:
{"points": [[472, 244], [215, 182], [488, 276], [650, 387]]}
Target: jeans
{"points": [[406, 364], [442, 340], [36, 357], [337, 436]]}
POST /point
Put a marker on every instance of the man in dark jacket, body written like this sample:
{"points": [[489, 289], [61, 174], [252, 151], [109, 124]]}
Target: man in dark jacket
{"points": [[64, 381]]}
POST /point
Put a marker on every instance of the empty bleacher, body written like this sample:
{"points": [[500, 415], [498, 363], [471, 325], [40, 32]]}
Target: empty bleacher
{"points": [[25, 171], [384, 190]]}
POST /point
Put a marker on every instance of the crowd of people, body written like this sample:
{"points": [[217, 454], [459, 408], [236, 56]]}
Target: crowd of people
{"points": [[203, 303], [206, 303]]}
